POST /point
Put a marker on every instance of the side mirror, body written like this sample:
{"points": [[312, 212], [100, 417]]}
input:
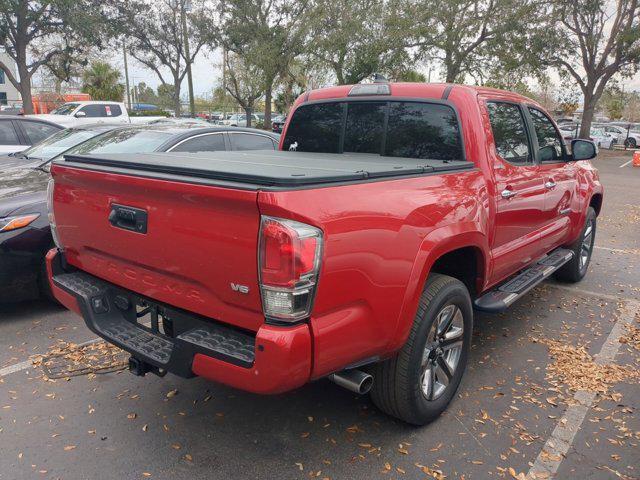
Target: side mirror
{"points": [[583, 149], [80, 115]]}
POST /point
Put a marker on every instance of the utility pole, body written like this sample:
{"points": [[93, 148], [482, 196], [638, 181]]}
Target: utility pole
{"points": [[186, 6], [126, 74]]}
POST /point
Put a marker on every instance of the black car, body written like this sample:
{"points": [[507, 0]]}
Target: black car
{"points": [[18, 132], [25, 236]]}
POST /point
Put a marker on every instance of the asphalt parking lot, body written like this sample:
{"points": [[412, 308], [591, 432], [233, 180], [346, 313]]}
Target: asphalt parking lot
{"points": [[517, 414]]}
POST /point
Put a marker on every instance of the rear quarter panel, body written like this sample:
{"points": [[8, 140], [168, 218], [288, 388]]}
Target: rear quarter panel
{"points": [[380, 238]]}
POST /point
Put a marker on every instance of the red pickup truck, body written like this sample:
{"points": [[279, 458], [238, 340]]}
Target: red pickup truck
{"points": [[357, 252]]}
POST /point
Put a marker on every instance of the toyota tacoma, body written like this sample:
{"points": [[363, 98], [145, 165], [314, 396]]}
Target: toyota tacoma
{"points": [[357, 252]]}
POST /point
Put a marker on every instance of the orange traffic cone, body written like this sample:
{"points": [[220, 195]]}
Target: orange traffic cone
{"points": [[636, 158]]}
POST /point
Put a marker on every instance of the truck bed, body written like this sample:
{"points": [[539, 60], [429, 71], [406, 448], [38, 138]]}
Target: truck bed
{"points": [[265, 168]]}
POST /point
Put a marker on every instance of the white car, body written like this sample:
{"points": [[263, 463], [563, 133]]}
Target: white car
{"points": [[630, 140], [239, 120], [72, 114], [602, 138]]}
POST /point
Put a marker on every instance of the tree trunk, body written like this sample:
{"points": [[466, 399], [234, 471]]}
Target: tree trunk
{"points": [[25, 79], [588, 112], [25, 93], [452, 71], [248, 111], [176, 97], [267, 106]]}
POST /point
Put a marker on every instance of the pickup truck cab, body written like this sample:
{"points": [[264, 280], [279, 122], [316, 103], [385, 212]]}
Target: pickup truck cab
{"points": [[358, 252], [73, 114]]}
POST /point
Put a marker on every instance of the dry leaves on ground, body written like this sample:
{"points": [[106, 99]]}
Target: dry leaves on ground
{"points": [[69, 359], [632, 338], [574, 368]]}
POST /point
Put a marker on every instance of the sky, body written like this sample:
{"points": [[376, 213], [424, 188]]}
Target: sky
{"points": [[207, 73]]}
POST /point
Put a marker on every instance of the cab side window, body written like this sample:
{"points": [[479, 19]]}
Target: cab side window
{"points": [[94, 110], [510, 133], [550, 144], [203, 143]]}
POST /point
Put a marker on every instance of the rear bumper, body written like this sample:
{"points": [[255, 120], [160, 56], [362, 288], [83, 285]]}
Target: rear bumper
{"points": [[272, 360]]}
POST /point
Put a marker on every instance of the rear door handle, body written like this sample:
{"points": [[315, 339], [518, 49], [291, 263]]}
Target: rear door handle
{"points": [[550, 184], [506, 193]]}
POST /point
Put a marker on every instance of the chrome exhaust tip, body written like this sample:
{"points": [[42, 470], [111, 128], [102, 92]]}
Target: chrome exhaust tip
{"points": [[354, 380]]}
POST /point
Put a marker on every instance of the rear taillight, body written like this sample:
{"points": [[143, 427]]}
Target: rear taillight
{"points": [[52, 219], [289, 261]]}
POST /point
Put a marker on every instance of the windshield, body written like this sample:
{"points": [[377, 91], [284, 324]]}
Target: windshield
{"points": [[57, 143], [599, 132], [127, 140], [65, 109]]}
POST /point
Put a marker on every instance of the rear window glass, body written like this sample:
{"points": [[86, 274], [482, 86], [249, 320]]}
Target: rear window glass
{"points": [[123, 141], [365, 127], [423, 130], [315, 128], [413, 129]]}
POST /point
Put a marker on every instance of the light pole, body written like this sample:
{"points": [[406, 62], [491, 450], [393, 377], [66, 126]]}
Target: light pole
{"points": [[186, 6], [126, 74]]}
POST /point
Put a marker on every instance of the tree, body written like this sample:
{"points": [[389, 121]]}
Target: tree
{"points": [[53, 33], [244, 84], [156, 38], [145, 94], [267, 35], [604, 37], [355, 38], [467, 36], [166, 96], [102, 82]]}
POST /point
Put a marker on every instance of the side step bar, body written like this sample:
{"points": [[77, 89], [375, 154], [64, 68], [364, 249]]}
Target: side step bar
{"points": [[502, 296]]}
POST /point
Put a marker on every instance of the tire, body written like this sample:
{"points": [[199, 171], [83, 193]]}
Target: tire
{"points": [[575, 269], [630, 142], [401, 384]]}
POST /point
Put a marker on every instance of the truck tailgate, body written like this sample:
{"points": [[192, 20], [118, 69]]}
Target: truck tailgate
{"points": [[197, 250]]}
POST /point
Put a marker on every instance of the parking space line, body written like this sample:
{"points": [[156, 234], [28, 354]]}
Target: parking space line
{"points": [[561, 439], [625, 164], [617, 250], [17, 367], [589, 293]]}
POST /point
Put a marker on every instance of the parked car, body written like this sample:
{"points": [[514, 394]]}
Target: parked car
{"points": [[239, 120], [72, 114], [179, 121], [53, 145], [629, 137], [278, 123], [356, 254], [597, 134], [25, 236], [602, 138], [18, 133]]}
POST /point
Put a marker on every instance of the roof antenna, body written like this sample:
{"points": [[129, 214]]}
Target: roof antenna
{"points": [[379, 78]]}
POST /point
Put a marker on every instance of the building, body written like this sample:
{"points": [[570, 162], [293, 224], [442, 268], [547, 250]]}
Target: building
{"points": [[9, 95]]}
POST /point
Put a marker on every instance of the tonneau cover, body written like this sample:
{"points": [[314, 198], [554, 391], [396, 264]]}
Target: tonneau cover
{"points": [[271, 168]]}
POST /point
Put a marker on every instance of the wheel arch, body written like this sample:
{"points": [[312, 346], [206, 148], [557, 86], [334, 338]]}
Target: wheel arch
{"points": [[444, 251], [596, 203]]}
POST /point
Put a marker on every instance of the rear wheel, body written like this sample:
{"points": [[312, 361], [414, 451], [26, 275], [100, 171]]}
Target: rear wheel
{"points": [[417, 385], [576, 268], [630, 142]]}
